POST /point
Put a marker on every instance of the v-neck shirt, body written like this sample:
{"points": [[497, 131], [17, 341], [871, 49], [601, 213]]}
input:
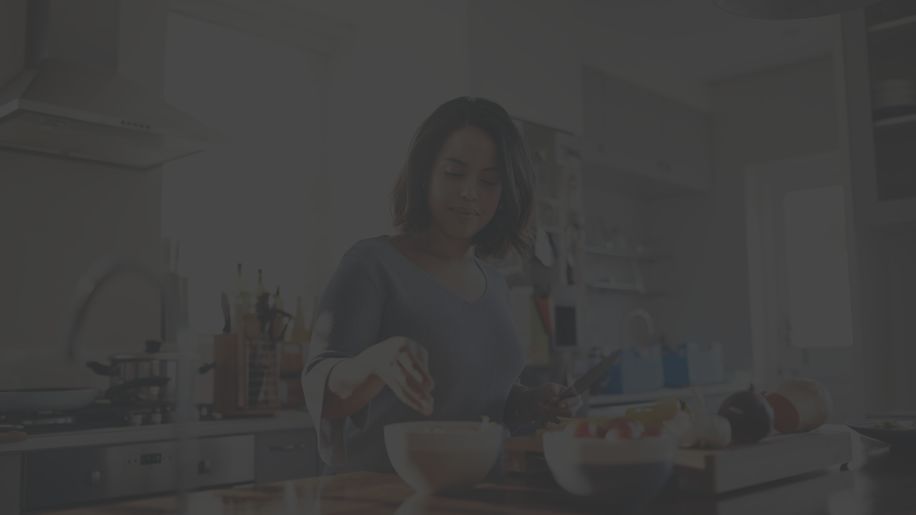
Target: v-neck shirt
{"points": [[474, 353]]}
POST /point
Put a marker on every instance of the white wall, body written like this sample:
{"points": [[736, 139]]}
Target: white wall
{"points": [[404, 59], [251, 199], [525, 56], [58, 216], [624, 56], [528, 54]]}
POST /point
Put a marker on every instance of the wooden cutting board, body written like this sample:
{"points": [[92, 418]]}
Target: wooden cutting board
{"points": [[723, 470], [773, 458]]}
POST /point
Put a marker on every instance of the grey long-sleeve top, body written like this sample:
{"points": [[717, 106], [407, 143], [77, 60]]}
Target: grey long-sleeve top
{"points": [[474, 354]]}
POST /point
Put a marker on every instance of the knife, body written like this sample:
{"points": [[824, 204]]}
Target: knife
{"points": [[594, 374], [227, 317]]}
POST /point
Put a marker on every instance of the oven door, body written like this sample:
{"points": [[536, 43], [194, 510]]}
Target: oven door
{"points": [[64, 477]]}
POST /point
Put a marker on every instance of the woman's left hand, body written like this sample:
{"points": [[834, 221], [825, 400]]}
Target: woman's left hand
{"points": [[542, 404]]}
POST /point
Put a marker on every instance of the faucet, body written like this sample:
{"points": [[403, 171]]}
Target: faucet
{"points": [[87, 289], [98, 275]]}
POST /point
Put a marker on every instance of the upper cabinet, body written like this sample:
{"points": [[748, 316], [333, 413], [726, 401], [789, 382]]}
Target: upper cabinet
{"points": [[641, 144], [880, 75], [533, 69]]}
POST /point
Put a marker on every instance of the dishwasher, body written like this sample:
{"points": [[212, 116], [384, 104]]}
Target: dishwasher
{"points": [[66, 477]]}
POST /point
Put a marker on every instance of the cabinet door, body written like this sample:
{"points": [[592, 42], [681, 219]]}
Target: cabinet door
{"points": [[11, 472], [283, 455]]}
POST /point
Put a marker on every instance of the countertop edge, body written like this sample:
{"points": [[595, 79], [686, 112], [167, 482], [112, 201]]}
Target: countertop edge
{"points": [[285, 420]]}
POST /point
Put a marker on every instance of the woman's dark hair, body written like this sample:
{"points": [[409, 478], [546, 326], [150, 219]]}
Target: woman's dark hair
{"points": [[508, 230]]}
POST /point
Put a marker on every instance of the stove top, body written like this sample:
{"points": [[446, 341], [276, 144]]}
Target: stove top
{"points": [[95, 416]]}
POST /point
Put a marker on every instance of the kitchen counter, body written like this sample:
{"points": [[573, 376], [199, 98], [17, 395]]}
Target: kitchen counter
{"points": [[687, 393], [150, 433], [883, 483]]}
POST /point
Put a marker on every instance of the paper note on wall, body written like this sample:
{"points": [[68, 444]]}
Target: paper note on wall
{"points": [[539, 351]]}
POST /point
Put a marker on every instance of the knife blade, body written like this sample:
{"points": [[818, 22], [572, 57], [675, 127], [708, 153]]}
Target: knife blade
{"points": [[227, 317], [594, 374]]}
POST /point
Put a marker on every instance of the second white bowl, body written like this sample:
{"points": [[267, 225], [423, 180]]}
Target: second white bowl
{"points": [[440, 456]]}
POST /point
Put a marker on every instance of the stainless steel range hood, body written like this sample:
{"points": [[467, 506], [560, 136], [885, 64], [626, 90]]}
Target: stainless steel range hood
{"points": [[73, 110]]}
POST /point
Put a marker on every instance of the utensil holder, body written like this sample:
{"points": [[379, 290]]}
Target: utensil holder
{"points": [[246, 377]]}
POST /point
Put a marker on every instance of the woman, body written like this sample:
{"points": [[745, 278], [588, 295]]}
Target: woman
{"points": [[415, 326]]}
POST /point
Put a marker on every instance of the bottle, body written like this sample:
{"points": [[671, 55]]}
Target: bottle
{"points": [[300, 334], [261, 290], [279, 322], [242, 300], [278, 300]]}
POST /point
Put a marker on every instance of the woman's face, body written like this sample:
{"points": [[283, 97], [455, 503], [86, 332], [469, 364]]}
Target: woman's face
{"points": [[465, 185]]}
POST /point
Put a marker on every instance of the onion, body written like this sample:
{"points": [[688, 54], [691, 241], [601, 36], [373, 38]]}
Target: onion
{"points": [[713, 432], [749, 414], [716, 433]]}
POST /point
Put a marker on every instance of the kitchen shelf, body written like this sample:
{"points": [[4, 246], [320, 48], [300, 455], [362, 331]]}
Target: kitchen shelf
{"points": [[648, 258], [596, 401], [906, 21], [638, 177], [893, 121], [284, 420], [622, 290]]}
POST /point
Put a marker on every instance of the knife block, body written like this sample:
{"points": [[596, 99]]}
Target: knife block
{"points": [[246, 377]]}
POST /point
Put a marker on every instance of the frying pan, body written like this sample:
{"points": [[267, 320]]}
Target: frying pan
{"points": [[47, 399]]}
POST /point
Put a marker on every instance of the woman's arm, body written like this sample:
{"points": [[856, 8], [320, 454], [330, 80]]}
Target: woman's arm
{"points": [[349, 389], [398, 363]]}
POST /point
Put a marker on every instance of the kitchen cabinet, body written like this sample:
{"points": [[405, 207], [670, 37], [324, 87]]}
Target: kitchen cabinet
{"points": [[888, 481], [284, 455], [61, 477], [99, 465], [879, 71], [10, 465], [639, 143]]}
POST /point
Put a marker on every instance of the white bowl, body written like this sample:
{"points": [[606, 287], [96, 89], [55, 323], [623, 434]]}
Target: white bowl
{"points": [[618, 472], [440, 456]]}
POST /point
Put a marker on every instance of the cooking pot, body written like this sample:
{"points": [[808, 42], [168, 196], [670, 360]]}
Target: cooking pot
{"points": [[127, 369], [149, 376]]}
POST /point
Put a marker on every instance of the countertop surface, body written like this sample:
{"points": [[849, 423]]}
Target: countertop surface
{"points": [[881, 482], [689, 393], [149, 433]]}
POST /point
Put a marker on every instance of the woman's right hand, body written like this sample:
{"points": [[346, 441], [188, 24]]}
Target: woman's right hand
{"points": [[403, 365]]}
